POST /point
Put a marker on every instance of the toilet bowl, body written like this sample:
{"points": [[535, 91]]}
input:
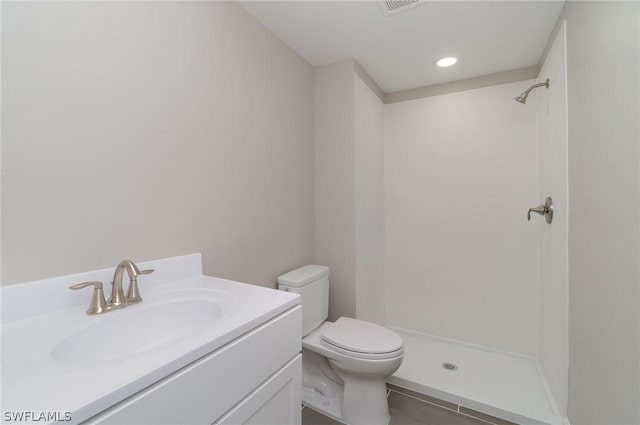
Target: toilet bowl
{"points": [[362, 369], [345, 364]]}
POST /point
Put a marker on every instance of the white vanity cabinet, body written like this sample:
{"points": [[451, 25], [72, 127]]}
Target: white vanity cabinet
{"points": [[197, 350], [254, 379]]}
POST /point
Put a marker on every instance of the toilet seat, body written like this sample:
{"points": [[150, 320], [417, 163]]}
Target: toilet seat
{"points": [[360, 355], [360, 339]]}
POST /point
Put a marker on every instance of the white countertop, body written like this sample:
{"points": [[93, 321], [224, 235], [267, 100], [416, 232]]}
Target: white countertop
{"points": [[37, 378]]}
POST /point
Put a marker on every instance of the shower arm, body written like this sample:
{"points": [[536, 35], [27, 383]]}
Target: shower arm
{"points": [[546, 84], [522, 98]]}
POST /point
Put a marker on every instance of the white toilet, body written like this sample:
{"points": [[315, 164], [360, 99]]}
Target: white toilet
{"points": [[345, 364]]}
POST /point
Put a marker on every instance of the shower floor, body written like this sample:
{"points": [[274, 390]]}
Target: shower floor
{"points": [[501, 384]]}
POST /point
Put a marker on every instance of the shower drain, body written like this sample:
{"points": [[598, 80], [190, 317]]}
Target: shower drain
{"points": [[449, 366]]}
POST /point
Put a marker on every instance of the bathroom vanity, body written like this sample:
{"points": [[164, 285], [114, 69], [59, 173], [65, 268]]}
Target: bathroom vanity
{"points": [[197, 349]]}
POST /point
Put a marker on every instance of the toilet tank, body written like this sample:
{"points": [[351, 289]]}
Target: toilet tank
{"points": [[312, 283]]}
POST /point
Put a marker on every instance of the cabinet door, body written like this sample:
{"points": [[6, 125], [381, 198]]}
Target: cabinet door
{"points": [[275, 402], [206, 389]]}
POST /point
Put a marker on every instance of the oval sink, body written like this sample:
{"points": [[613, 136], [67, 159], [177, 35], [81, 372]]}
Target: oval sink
{"points": [[137, 329]]}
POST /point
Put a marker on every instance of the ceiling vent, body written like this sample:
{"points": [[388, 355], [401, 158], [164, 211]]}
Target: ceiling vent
{"points": [[391, 7]]}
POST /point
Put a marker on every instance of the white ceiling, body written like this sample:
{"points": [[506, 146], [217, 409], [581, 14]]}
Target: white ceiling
{"points": [[400, 51]]}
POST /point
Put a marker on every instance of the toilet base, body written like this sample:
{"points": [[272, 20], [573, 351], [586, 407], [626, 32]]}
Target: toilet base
{"points": [[365, 401], [348, 388], [322, 389], [369, 410], [328, 404], [353, 400]]}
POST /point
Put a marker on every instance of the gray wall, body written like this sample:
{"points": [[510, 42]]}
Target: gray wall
{"points": [[146, 130], [335, 180], [603, 45], [369, 202], [349, 189]]}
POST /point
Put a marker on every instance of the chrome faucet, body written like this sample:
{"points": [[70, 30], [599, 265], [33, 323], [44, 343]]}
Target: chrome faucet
{"points": [[118, 299]]}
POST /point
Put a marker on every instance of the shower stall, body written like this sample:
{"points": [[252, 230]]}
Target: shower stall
{"points": [[478, 292]]}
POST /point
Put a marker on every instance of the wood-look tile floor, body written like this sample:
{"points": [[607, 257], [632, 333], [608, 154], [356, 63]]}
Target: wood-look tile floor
{"points": [[407, 409], [312, 417]]}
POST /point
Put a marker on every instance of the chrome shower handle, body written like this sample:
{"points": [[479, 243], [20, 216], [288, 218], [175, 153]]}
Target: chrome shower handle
{"points": [[546, 210]]}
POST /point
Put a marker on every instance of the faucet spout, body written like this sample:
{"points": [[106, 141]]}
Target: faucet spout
{"points": [[117, 293]]}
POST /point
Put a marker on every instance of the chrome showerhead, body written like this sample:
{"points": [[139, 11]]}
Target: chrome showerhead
{"points": [[522, 98]]}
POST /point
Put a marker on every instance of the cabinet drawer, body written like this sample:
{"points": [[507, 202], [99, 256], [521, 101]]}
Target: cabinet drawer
{"points": [[275, 402], [203, 391]]}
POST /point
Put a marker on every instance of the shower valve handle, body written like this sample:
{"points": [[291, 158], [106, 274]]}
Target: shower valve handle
{"points": [[546, 210], [541, 209]]}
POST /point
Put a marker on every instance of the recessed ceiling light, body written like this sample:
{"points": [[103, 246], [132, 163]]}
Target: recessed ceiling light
{"points": [[445, 62]]}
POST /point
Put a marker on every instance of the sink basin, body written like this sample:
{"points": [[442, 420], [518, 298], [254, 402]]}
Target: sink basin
{"points": [[147, 326]]}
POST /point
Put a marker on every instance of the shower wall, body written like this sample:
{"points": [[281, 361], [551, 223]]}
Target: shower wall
{"points": [[462, 261], [553, 351]]}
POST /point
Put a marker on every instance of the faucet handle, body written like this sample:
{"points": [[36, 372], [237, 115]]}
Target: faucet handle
{"points": [[133, 295], [95, 283], [98, 304]]}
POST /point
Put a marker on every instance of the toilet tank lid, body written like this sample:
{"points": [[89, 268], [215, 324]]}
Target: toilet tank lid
{"points": [[303, 276]]}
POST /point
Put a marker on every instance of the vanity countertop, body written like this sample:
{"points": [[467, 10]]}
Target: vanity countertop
{"points": [[59, 362]]}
